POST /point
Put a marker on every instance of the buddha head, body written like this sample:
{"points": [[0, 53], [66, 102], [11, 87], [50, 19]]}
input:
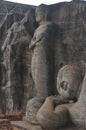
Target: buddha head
{"points": [[41, 13], [68, 81]]}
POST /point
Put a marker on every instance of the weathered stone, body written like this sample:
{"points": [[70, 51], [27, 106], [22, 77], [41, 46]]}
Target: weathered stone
{"points": [[27, 126], [69, 81], [16, 85], [32, 108], [43, 43], [15, 57], [78, 111]]}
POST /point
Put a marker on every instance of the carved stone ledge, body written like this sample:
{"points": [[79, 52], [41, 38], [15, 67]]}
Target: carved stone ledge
{"points": [[27, 126]]}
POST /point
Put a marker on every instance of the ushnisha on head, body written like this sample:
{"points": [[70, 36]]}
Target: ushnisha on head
{"points": [[68, 81], [41, 13]]}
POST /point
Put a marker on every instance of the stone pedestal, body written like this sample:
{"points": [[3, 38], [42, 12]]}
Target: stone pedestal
{"points": [[23, 125]]}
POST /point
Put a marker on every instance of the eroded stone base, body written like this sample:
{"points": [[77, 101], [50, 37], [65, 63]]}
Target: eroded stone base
{"points": [[24, 125], [27, 126]]}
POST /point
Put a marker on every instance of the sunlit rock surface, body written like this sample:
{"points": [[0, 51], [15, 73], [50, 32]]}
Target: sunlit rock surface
{"points": [[17, 26]]}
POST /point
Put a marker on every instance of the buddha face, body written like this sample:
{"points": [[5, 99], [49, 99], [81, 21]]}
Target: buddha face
{"points": [[40, 13], [68, 81]]}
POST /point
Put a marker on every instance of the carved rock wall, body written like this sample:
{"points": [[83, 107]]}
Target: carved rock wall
{"points": [[16, 30], [71, 41]]}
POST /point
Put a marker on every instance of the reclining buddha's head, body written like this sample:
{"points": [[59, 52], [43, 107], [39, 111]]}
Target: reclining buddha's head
{"points": [[68, 81]]}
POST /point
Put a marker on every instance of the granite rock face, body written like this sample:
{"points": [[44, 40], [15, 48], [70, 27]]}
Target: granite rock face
{"points": [[16, 81], [69, 79], [16, 30]]}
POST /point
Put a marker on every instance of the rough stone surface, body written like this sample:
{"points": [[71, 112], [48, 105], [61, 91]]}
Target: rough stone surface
{"points": [[71, 41], [51, 116], [16, 84], [42, 65], [78, 111], [70, 76], [32, 108], [27, 126], [68, 80]]}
